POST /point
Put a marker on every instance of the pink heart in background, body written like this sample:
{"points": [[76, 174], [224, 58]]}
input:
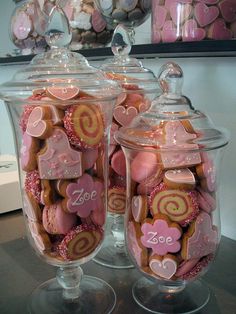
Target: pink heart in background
{"points": [[191, 32], [169, 3], [205, 15], [125, 116], [159, 16], [219, 31], [180, 12], [228, 10], [169, 32]]}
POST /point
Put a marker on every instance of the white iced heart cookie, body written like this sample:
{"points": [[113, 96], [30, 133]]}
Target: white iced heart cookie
{"points": [[163, 267]]}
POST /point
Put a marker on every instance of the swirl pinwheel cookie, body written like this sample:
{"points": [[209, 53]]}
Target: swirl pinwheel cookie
{"points": [[84, 125], [179, 205]]}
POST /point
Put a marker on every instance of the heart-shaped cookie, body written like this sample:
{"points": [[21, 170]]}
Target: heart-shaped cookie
{"points": [[191, 32], [160, 13], [164, 268], [63, 93], [124, 116], [169, 32], [205, 15], [228, 10], [180, 178], [39, 124], [219, 31]]}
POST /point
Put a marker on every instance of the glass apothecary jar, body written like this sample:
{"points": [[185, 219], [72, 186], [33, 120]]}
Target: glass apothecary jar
{"points": [[193, 20], [23, 29], [61, 112], [89, 28], [172, 225]]}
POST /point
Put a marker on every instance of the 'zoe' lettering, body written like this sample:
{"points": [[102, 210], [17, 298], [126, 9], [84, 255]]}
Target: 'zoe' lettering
{"points": [[81, 197], [155, 238]]}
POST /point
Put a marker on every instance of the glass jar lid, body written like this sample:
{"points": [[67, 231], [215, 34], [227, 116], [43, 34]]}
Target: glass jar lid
{"points": [[171, 123], [59, 68], [127, 70]]}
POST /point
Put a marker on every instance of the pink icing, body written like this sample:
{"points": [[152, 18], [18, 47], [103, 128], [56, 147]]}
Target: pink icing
{"points": [[186, 266], [143, 166], [25, 152], [98, 216], [160, 237], [209, 173], [98, 22], [65, 93], [169, 3], [165, 268], [34, 214], [179, 140], [137, 207], [118, 162], [206, 201], [204, 239], [84, 196], [180, 176], [191, 32], [198, 268], [228, 10], [159, 17], [114, 128], [133, 244], [36, 125], [205, 15], [169, 32], [124, 116], [56, 220], [59, 161], [219, 31]]}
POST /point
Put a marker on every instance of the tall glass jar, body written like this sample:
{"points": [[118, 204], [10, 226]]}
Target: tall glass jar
{"points": [[23, 29], [61, 112], [193, 20], [173, 155]]}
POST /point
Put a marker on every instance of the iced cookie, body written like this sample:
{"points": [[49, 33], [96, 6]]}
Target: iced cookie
{"points": [[179, 205], [143, 166], [139, 207], [201, 238], [180, 179], [32, 184], [84, 125], [29, 148], [57, 160], [83, 196], [163, 266], [39, 123], [161, 235]]}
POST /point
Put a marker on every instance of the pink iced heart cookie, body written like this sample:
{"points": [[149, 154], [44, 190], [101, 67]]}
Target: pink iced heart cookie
{"points": [[57, 160], [163, 267], [169, 32], [62, 93], [179, 179], [207, 173], [219, 31], [205, 15], [125, 116], [180, 12], [118, 162], [83, 196], [228, 10], [191, 32], [160, 235], [201, 239], [156, 35], [39, 124], [139, 207], [143, 166], [160, 14], [29, 149]]}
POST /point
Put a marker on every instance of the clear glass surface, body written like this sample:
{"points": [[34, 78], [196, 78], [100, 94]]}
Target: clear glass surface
{"points": [[61, 112], [172, 223]]}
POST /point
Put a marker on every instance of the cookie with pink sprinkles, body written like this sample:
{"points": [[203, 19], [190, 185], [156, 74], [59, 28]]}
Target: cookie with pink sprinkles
{"points": [[33, 184]]}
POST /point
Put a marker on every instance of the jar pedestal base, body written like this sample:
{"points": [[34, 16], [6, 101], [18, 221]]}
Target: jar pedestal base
{"points": [[152, 297], [95, 296]]}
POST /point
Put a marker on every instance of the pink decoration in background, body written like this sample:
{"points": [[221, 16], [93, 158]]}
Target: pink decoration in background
{"points": [[205, 15]]}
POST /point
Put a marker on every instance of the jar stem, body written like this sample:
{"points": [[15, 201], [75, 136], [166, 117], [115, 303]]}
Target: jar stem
{"points": [[117, 229], [69, 278]]}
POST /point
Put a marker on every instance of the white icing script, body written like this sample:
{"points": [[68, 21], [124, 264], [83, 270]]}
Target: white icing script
{"points": [[82, 197], [155, 239]]}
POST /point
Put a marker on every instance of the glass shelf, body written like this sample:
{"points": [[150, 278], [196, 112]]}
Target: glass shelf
{"points": [[207, 48]]}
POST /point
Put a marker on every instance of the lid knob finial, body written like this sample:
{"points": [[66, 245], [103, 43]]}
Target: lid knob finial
{"points": [[122, 40]]}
